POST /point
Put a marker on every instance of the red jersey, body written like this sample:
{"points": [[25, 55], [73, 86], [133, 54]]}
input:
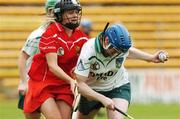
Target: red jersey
{"points": [[67, 48], [43, 84]]}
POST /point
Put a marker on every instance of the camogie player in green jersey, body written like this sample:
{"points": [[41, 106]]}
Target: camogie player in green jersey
{"points": [[101, 76], [29, 49]]}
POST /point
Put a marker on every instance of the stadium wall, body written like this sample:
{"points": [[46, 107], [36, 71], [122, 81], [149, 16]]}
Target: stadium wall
{"points": [[155, 85]]}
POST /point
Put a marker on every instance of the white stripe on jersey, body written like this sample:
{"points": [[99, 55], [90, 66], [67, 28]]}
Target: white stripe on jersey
{"points": [[65, 42]]}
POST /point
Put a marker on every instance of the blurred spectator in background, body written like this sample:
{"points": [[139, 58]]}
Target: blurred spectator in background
{"points": [[86, 26], [29, 49]]}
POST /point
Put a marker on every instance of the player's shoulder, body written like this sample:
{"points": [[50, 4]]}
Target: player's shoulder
{"points": [[89, 46], [49, 31], [37, 33], [49, 34], [80, 34], [77, 30], [90, 42]]}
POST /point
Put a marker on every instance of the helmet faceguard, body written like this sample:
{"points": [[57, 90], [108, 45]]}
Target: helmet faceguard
{"points": [[118, 37], [66, 5]]}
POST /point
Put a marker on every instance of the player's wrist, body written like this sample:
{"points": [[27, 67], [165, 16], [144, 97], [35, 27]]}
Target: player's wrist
{"points": [[23, 81], [149, 58]]}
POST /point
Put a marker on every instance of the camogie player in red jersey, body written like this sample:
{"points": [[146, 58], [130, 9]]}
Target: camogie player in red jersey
{"points": [[50, 85]]}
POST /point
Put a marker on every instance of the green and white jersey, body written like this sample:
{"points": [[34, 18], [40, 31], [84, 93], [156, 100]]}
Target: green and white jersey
{"points": [[31, 46], [104, 73]]}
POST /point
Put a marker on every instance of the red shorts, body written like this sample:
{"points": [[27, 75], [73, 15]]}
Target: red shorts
{"points": [[39, 92]]}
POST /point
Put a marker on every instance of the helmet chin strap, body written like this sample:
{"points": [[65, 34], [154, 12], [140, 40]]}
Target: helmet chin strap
{"points": [[71, 25]]}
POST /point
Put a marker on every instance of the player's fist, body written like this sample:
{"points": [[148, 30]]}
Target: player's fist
{"points": [[162, 56], [23, 86]]}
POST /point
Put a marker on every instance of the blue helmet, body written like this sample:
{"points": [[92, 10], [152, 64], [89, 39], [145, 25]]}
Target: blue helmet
{"points": [[119, 37]]}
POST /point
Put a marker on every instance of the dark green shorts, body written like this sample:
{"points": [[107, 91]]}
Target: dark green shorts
{"points": [[123, 92]]}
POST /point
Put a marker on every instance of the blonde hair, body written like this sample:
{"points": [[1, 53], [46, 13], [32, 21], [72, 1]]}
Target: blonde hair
{"points": [[50, 18]]}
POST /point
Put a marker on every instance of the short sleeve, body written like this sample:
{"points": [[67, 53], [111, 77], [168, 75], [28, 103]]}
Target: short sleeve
{"points": [[48, 45], [83, 64]]}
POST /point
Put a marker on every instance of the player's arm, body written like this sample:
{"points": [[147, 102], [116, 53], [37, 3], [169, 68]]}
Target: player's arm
{"points": [[87, 92], [56, 70], [22, 71], [135, 53]]}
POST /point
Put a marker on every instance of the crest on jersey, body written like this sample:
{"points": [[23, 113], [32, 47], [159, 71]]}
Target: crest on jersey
{"points": [[81, 66], [60, 51], [78, 49], [95, 66], [119, 62]]}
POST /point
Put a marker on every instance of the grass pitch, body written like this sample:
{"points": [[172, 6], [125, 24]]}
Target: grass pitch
{"points": [[8, 110]]}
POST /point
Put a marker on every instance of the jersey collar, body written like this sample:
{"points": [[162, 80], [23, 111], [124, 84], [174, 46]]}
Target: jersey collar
{"points": [[98, 46], [61, 29]]}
